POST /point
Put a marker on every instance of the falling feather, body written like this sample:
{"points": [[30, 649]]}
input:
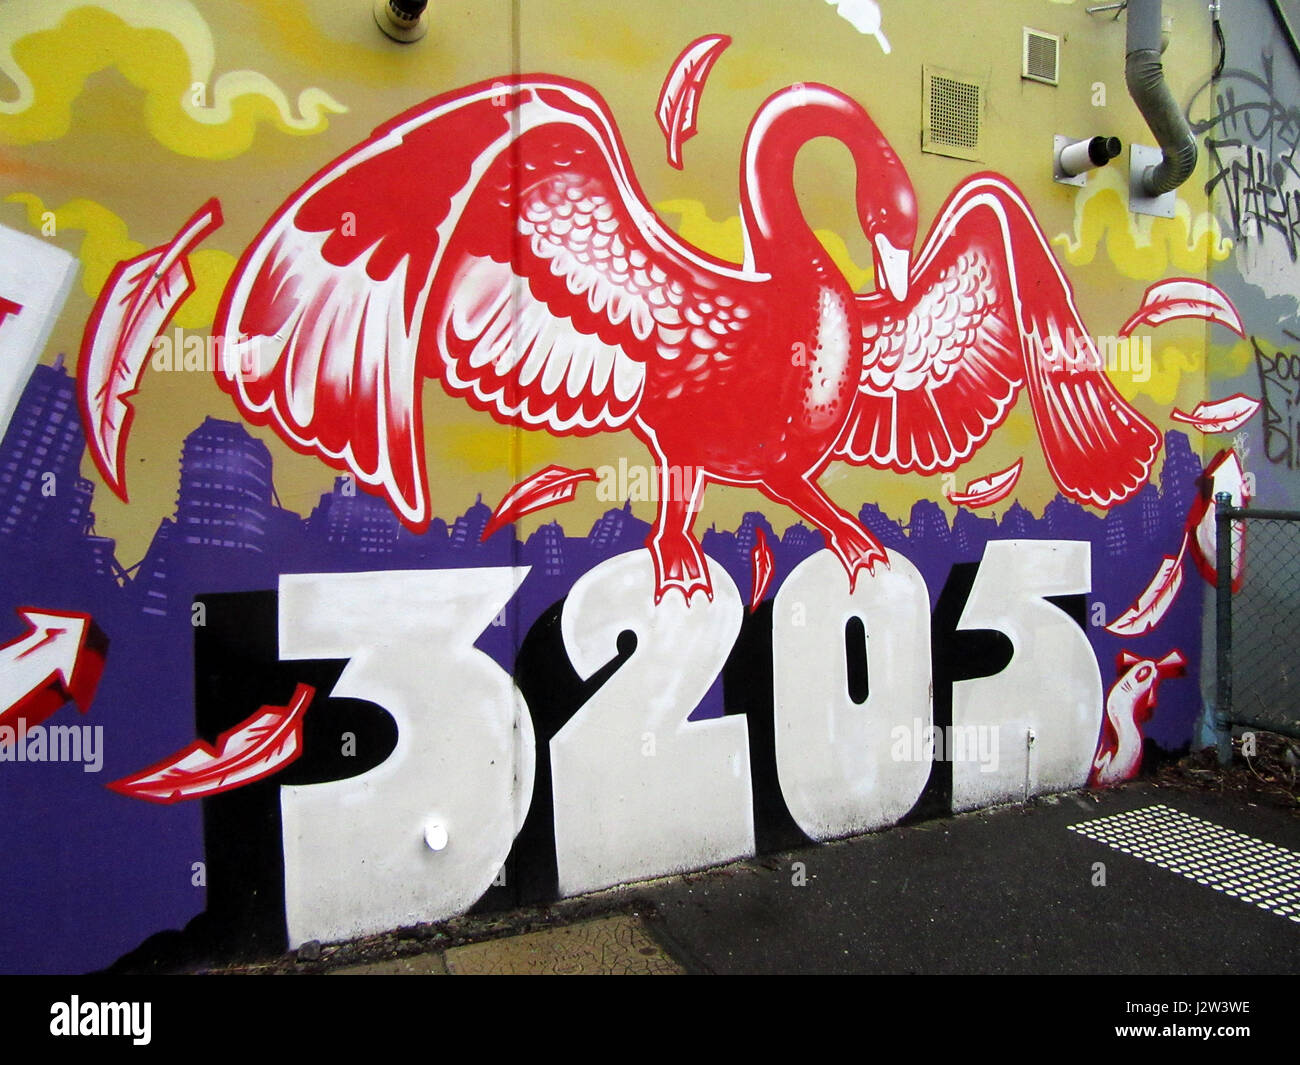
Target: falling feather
{"points": [[1184, 297], [253, 749], [134, 306], [1151, 606], [1221, 417], [680, 96], [553, 485], [985, 491], [760, 562]]}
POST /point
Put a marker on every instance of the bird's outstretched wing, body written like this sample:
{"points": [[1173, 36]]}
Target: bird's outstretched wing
{"points": [[494, 238], [989, 311]]}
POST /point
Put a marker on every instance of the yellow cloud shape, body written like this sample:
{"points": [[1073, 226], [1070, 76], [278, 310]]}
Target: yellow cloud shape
{"points": [[726, 239], [723, 240], [1169, 367], [1235, 361], [1139, 246], [106, 243], [166, 50], [1180, 366]]}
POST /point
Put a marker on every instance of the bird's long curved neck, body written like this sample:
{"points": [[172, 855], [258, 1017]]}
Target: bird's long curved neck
{"points": [[774, 225]]}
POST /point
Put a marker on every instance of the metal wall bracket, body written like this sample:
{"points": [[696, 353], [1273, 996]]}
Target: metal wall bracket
{"points": [[1141, 158], [1059, 175]]}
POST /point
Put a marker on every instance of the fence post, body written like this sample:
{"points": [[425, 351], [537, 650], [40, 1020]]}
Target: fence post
{"points": [[1223, 514]]}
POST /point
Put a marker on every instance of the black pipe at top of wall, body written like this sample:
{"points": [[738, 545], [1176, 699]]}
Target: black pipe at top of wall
{"points": [[1145, 77]]}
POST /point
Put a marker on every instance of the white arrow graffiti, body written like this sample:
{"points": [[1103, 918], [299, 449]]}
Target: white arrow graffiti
{"points": [[59, 658]]}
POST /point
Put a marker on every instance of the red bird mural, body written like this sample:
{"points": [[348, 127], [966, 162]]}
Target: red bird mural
{"points": [[496, 239]]}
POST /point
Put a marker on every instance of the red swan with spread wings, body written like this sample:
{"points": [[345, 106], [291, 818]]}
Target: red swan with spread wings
{"points": [[495, 238]]}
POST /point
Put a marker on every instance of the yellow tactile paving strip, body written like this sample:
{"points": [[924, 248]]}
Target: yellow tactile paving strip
{"points": [[608, 946]]}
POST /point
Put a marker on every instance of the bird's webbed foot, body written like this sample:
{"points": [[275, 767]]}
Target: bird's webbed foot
{"points": [[680, 564], [857, 550]]}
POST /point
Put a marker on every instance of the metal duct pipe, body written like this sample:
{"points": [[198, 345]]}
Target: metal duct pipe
{"points": [[1146, 84]]}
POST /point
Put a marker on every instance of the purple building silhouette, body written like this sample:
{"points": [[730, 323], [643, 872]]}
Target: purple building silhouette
{"points": [[799, 537], [352, 521], [42, 493], [225, 491], [227, 534], [971, 533], [928, 525], [45, 503], [468, 529], [1017, 523], [546, 549], [1178, 477], [882, 527], [618, 530]]}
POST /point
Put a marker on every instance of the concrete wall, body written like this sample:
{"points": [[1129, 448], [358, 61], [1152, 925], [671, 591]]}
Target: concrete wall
{"points": [[557, 453]]}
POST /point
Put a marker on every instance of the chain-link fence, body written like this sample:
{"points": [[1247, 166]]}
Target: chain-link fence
{"points": [[1257, 621]]}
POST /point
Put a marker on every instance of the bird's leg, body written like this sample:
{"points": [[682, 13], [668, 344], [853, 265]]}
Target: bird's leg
{"points": [[679, 562], [856, 548]]}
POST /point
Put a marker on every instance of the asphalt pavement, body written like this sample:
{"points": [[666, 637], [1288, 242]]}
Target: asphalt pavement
{"points": [[1137, 880], [1164, 914]]}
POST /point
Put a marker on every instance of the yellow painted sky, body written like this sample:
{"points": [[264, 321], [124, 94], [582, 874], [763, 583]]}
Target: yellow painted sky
{"points": [[100, 125]]}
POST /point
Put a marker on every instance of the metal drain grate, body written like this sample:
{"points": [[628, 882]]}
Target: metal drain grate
{"points": [[1236, 864]]}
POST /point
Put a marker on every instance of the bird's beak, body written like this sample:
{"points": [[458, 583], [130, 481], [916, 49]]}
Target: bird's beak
{"points": [[894, 264]]}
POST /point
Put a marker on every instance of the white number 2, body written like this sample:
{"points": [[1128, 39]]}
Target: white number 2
{"points": [[639, 790]]}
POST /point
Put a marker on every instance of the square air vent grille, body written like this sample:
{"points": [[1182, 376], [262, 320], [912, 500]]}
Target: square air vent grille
{"points": [[1041, 57], [952, 117]]}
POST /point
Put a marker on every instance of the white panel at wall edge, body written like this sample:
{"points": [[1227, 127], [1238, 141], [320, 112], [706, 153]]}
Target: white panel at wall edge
{"points": [[38, 276]]}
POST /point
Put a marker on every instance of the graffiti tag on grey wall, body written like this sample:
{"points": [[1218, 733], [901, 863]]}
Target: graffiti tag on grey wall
{"points": [[1251, 136]]}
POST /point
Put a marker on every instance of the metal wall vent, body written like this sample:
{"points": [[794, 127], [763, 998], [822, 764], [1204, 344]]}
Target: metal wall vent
{"points": [[1041, 59], [952, 117]]}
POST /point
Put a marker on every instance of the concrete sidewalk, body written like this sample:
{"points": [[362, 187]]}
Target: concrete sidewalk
{"points": [[1142, 879]]}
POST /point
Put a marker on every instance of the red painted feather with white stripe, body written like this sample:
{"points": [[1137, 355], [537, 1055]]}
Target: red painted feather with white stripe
{"points": [[136, 303], [761, 567], [1221, 417], [1184, 297], [255, 748], [1150, 608], [679, 98], [985, 491], [555, 484]]}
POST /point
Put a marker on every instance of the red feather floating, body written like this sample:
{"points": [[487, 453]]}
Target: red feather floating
{"points": [[679, 98], [761, 566], [253, 749], [988, 490], [553, 485], [1184, 297], [1151, 606], [134, 306], [1221, 417]]}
